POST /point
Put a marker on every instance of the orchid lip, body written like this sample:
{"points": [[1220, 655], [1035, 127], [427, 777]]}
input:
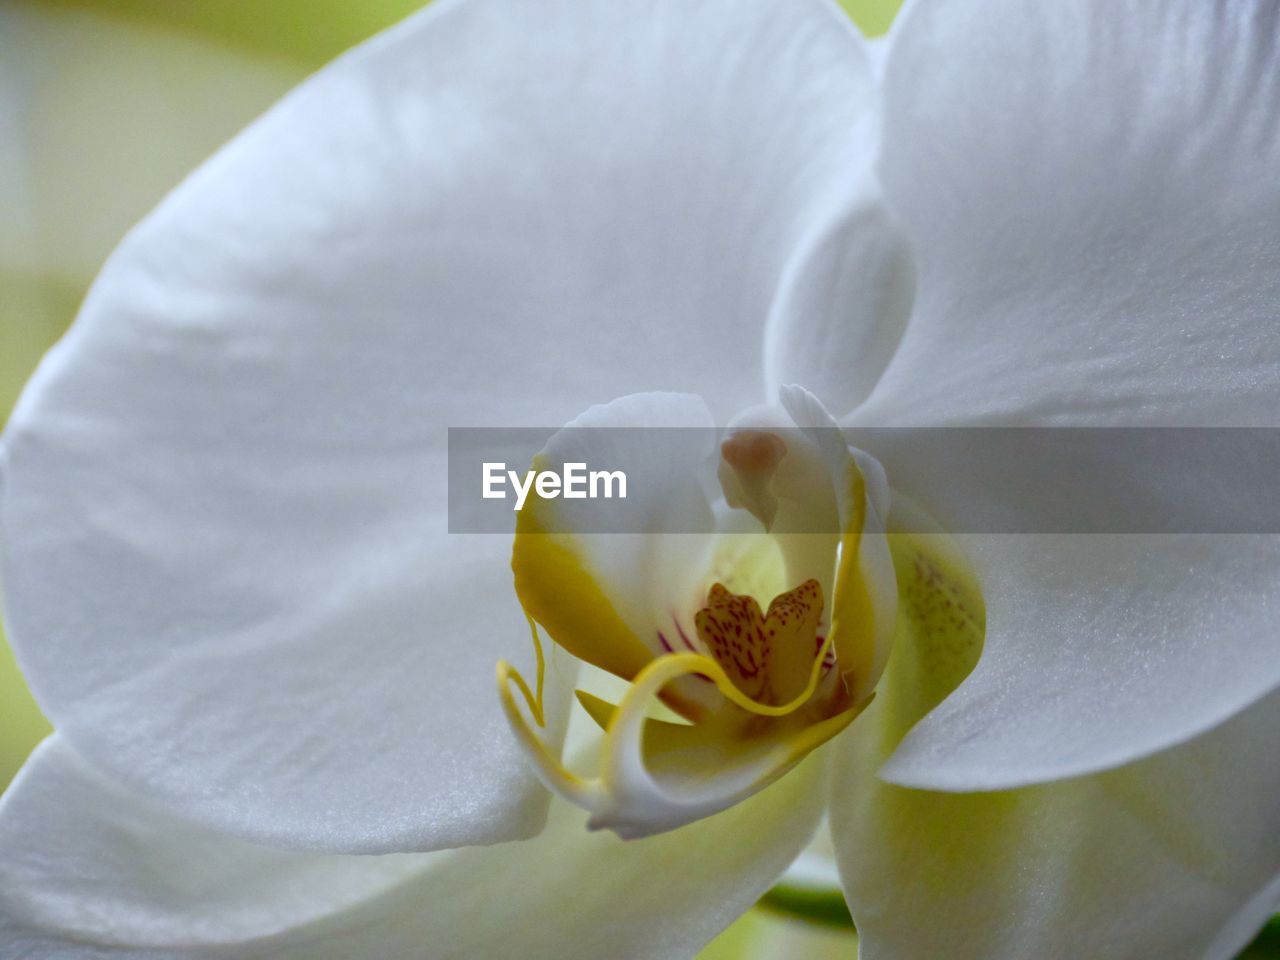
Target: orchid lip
{"points": [[763, 644]]}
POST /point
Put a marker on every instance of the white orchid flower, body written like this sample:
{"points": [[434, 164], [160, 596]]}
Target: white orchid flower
{"points": [[228, 578]]}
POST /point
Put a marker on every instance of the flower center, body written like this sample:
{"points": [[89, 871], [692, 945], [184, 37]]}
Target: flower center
{"points": [[675, 611], [768, 656]]}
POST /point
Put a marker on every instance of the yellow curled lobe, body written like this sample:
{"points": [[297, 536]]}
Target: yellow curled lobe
{"points": [[554, 775], [625, 796]]}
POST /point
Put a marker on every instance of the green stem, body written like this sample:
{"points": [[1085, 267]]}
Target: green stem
{"points": [[807, 903], [1266, 945], [828, 907]]}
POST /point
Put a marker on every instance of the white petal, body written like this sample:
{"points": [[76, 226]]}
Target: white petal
{"points": [[1096, 242], [844, 304], [1100, 649], [573, 895], [87, 868], [224, 554], [83, 858], [1173, 856], [1096, 246]]}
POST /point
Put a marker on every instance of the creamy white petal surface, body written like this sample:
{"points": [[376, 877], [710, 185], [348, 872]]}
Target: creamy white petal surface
{"points": [[1096, 245], [1100, 648], [844, 305], [226, 569], [89, 871], [1172, 856], [84, 858], [1095, 242], [581, 896]]}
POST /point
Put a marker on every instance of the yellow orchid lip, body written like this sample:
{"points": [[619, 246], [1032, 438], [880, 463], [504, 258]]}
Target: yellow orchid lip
{"points": [[758, 688]]}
